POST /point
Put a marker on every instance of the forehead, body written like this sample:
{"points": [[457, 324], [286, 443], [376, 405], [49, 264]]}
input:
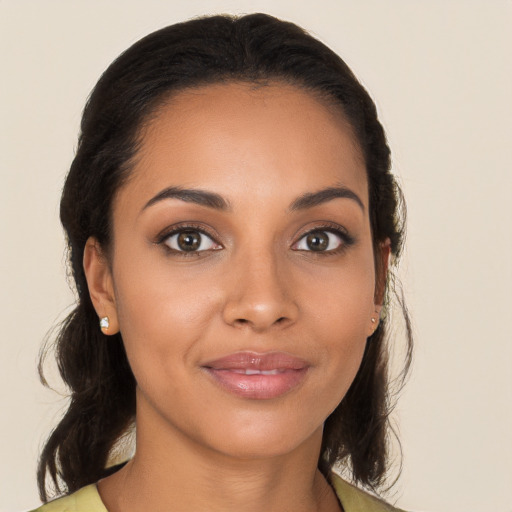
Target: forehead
{"points": [[273, 139]]}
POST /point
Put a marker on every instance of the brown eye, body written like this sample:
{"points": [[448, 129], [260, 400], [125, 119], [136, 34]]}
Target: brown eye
{"points": [[323, 240], [317, 241], [190, 241]]}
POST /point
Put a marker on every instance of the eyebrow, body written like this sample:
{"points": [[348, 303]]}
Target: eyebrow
{"points": [[196, 196], [311, 199], [217, 202]]}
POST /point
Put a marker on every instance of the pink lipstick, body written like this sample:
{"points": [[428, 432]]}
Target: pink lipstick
{"points": [[258, 376]]}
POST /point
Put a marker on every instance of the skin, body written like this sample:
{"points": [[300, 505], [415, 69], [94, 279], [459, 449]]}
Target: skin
{"points": [[257, 286]]}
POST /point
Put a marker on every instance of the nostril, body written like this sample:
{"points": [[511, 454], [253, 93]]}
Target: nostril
{"points": [[245, 321]]}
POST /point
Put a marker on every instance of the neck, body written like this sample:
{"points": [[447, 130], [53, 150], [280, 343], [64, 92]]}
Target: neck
{"points": [[174, 469]]}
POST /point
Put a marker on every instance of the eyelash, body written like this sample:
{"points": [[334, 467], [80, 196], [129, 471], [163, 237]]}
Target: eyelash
{"points": [[176, 230], [346, 239]]}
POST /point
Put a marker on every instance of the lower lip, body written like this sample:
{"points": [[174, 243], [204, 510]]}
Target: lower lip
{"points": [[258, 387]]}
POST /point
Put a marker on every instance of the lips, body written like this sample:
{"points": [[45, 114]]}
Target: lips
{"points": [[257, 376]]}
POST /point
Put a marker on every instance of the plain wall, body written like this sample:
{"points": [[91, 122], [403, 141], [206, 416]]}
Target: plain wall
{"points": [[441, 74]]}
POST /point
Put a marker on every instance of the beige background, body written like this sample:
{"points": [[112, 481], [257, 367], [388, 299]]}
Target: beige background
{"points": [[441, 73]]}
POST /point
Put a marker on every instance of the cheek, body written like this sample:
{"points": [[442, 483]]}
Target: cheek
{"points": [[340, 313], [152, 290], [161, 314], [342, 299]]}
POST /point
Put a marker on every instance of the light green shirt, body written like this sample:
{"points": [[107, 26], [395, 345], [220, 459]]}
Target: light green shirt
{"points": [[88, 499]]}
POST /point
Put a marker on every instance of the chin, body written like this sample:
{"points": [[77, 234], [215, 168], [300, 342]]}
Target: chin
{"points": [[264, 440]]}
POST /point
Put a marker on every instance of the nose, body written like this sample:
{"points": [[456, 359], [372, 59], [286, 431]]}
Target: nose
{"points": [[260, 294]]}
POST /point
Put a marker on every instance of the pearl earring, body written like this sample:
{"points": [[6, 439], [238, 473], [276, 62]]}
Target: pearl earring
{"points": [[104, 323]]}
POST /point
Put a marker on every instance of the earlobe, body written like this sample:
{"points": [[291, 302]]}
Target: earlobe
{"points": [[101, 287], [382, 259]]}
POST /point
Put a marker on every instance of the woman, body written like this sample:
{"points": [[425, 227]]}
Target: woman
{"points": [[231, 218]]}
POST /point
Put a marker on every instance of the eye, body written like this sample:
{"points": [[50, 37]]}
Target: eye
{"points": [[190, 240], [321, 240]]}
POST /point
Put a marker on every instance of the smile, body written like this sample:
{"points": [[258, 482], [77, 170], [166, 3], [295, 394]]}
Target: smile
{"points": [[257, 376]]}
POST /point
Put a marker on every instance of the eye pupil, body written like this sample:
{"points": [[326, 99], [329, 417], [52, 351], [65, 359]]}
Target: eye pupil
{"points": [[189, 240], [317, 241]]}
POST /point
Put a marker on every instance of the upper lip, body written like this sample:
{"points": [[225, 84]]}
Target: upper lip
{"points": [[257, 361]]}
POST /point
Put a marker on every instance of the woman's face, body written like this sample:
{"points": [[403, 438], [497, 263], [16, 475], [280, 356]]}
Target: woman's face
{"points": [[242, 271]]}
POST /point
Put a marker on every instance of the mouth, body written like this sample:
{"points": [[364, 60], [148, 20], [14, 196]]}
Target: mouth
{"points": [[257, 376]]}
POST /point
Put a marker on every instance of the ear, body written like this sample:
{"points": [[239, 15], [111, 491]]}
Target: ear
{"points": [[382, 257], [101, 285]]}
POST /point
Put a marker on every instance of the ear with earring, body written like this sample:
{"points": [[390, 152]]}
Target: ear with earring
{"points": [[375, 320]]}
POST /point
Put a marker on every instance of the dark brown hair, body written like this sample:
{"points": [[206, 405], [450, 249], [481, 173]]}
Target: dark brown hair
{"points": [[257, 49]]}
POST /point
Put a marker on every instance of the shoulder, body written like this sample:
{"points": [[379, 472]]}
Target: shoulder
{"points": [[86, 499], [354, 499]]}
